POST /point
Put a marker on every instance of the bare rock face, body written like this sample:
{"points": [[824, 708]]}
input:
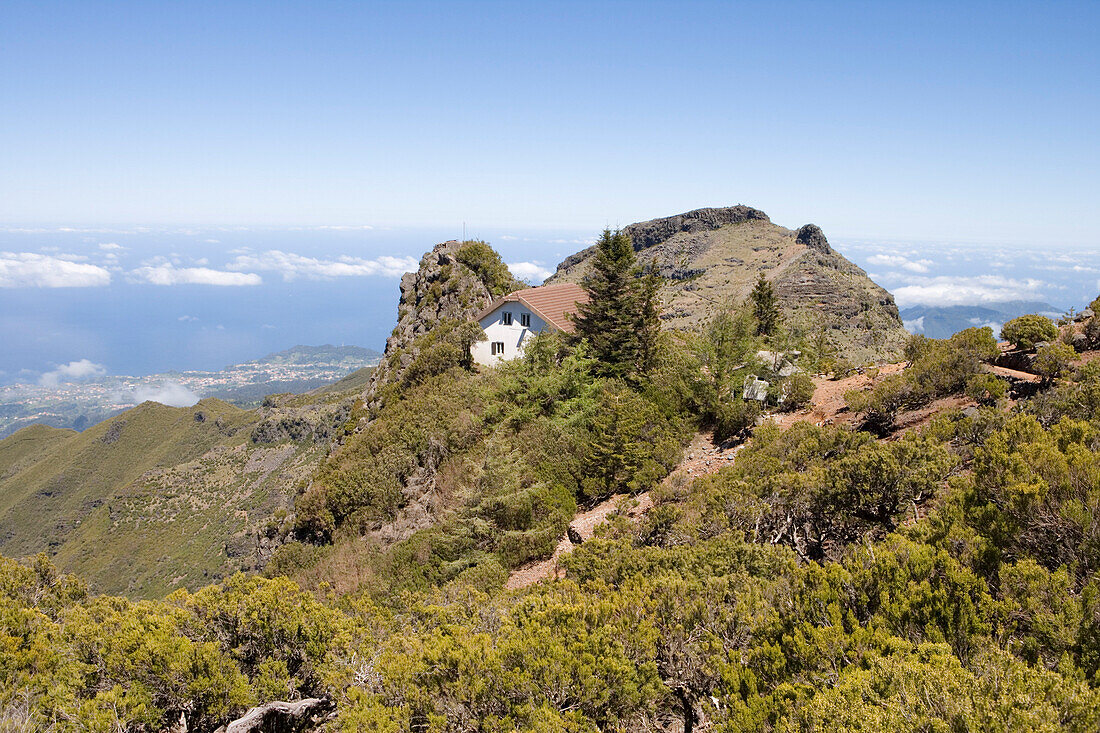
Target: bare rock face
{"points": [[441, 289], [710, 259], [649, 233], [812, 236]]}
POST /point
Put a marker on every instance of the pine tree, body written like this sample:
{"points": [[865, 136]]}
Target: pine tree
{"points": [[620, 321], [765, 306]]}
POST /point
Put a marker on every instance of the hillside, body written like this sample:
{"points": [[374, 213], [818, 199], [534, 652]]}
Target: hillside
{"points": [[161, 497], [711, 258]]}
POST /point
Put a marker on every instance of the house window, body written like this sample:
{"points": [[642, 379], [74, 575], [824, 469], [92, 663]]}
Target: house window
{"points": [[525, 320], [506, 318], [497, 348]]}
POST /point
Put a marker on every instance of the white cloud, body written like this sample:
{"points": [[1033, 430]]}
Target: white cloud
{"points": [[292, 266], [73, 371], [914, 326], [186, 319], [172, 394], [165, 273], [110, 246], [32, 270], [952, 290], [901, 261], [508, 238], [530, 271]]}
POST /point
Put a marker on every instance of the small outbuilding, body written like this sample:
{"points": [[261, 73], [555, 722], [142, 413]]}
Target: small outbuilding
{"points": [[512, 319]]}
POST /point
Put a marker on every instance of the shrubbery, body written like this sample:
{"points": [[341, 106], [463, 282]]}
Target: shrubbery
{"points": [[937, 368], [1026, 331], [487, 265]]}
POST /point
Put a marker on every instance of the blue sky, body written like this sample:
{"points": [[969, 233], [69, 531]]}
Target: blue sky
{"points": [[312, 141], [927, 119]]}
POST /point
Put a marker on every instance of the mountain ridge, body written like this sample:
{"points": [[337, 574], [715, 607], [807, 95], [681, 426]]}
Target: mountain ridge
{"points": [[710, 259]]}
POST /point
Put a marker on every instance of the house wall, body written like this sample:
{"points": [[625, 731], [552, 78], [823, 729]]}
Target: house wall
{"points": [[513, 336]]}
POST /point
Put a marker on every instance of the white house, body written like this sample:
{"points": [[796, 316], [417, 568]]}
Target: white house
{"points": [[509, 321]]}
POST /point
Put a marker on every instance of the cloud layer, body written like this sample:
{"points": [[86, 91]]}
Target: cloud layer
{"points": [[900, 261], [293, 266], [961, 290], [33, 270], [168, 274], [73, 371], [172, 394]]}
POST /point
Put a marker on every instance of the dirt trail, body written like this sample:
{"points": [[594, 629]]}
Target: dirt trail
{"points": [[701, 457], [704, 457]]}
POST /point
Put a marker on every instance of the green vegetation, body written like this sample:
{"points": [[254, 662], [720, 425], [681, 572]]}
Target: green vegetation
{"points": [[943, 581], [765, 306], [1026, 331], [937, 368], [501, 458], [621, 320], [487, 265], [161, 497], [1053, 360]]}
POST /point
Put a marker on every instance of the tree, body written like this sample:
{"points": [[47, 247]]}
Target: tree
{"points": [[765, 306], [620, 321], [1026, 331]]}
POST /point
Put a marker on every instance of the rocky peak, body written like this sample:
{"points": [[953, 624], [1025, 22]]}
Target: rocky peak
{"points": [[648, 233], [812, 236], [441, 289], [710, 260]]}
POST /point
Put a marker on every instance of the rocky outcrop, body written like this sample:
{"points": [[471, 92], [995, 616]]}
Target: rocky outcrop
{"points": [[710, 259], [812, 236], [649, 233], [312, 423], [441, 289]]}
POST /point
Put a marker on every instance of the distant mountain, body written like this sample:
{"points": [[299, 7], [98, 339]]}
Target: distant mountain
{"points": [[712, 257], [326, 354], [944, 321]]}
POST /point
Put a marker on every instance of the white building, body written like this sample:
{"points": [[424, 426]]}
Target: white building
{"points": [[509, 321]]}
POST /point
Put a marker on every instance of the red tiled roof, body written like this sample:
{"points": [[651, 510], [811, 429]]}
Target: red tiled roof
{"points": [[552, 303]]}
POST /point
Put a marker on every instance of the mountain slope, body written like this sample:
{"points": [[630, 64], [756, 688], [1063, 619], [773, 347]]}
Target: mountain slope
{"points": [[161, 497], [711, 258]]}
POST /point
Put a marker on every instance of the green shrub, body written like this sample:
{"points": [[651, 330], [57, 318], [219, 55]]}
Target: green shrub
{"points": [[1026, 331], [487, 265], [1053, 360], [937, 368], [985, 389], [798, 390]]}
